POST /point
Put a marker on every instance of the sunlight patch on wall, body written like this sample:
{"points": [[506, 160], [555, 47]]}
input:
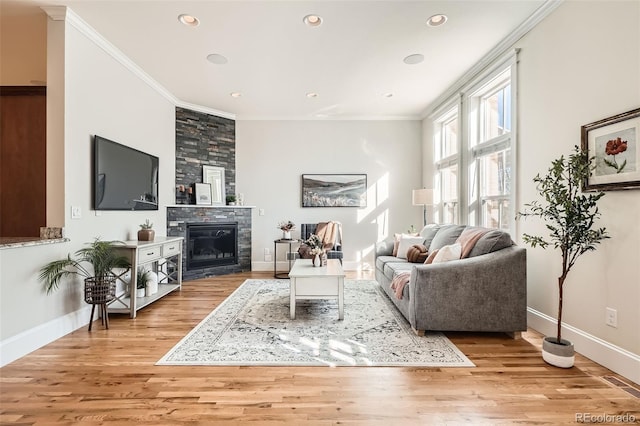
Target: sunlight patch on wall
{"points": [[377, 193]]}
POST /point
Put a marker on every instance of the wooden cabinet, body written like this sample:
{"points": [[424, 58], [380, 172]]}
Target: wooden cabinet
{"points": [[164, 257]]}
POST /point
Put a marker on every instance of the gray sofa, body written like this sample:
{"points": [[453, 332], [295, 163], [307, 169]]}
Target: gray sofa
{"points": [[487, 291]]}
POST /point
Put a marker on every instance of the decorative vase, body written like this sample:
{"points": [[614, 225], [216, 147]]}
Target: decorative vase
{"points": [[316, 261], [152, 285], [286, 235], [146, 235], [558, 354]]}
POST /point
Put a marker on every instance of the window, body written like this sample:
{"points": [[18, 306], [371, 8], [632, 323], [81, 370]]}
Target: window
{"points": [[474, 170], [447, 165]]}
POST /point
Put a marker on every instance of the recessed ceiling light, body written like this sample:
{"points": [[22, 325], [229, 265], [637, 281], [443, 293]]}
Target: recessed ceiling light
{"points": [[388, 95], [437, 20], [216, 58], [189, 20], [312, 95], [416, 58], [312, 20], [235, 94]]}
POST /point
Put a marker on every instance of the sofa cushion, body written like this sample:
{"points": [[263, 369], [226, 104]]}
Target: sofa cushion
{"points": [[393, 268], [446, 235], [382, 260], [491, 241], [406, 241], [428, 232]]}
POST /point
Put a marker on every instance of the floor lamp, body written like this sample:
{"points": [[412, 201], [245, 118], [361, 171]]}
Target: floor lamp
{"points": [[423, 197]]}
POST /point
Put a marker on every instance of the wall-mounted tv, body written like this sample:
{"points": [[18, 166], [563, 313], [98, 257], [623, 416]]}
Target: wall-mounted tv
{"points": [[124, 178]]}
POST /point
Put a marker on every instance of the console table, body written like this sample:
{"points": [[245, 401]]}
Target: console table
{"points": [[164, 254]]}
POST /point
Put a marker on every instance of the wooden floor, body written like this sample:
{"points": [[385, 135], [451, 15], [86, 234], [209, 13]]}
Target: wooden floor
{"points": [[109, 377]]}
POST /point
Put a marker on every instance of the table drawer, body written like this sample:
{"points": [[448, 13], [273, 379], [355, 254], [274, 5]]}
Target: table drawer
{"points": [[148, 254], [316, 287], [170, 249]]}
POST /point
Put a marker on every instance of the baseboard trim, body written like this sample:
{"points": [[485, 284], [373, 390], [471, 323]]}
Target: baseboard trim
{"points": [[29, 340], [613, 357]]}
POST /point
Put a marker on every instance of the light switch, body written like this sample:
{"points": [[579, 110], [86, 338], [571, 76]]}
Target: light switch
{"points": [[76, 212]]}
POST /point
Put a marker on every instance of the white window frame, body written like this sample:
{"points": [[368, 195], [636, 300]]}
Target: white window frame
{"points": [[470, 150], [445, 115]]}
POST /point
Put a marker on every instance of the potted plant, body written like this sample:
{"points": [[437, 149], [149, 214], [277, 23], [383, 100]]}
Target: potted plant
{"points": [[143, 277], [146, 232], [100, 284], [231, 200], [569, 215]]}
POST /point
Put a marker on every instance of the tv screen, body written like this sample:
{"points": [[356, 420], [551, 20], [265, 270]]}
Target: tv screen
{"points": [[124, 178]]}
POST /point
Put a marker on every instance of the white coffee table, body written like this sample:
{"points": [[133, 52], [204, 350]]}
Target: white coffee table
{"points": [[316, 282]]}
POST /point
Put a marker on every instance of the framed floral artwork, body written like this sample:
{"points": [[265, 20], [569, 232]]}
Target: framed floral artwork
{"points": [[613, 142]]}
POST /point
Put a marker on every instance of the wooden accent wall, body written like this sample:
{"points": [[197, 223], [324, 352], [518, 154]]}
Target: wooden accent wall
{"points": [[23, 155]]}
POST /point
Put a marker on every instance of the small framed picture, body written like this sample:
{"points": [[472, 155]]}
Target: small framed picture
{"points": [[203, 193]]}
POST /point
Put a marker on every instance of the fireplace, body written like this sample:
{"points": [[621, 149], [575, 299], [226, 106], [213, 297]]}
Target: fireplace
{"points": [[211, 245]]}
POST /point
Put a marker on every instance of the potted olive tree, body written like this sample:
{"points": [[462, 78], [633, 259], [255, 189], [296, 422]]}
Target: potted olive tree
{"points": [[569, 215]]}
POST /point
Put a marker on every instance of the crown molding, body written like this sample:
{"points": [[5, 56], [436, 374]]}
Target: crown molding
{"points": [[498, 51], [56, 13], [63, 13]]}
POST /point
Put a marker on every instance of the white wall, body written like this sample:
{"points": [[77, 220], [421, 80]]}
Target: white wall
{"points": [[100, 97], [271, 156], [573, 70]]}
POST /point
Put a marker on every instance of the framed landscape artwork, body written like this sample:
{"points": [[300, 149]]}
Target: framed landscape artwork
{"points": [[340, 190], [613, 142], [203, 193]]}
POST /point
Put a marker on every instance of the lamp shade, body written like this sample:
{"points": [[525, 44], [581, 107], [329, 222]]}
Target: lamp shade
{"points": [[422, 197]]}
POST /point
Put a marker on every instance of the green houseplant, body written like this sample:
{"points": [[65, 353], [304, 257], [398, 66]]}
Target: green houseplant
{"points": [[102, 256], [569, 216], [146, 232]]}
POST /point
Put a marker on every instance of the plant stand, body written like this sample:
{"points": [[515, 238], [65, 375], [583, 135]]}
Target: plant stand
{"points": [[100, 291]]}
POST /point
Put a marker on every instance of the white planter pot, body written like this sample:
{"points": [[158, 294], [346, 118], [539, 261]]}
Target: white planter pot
{"points": [[140, 292], [559, 355], [286, 235]]}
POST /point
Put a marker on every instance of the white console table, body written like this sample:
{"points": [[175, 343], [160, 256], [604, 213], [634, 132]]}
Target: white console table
{"points": [[165, 256]]}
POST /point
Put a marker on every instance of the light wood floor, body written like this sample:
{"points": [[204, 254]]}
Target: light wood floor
{"points": [[109, 377]]}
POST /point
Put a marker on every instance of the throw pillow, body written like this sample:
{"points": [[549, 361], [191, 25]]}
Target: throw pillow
{"points": [[406, 241], [396, 241], [417, 253], [447, 253], [432, 255]]}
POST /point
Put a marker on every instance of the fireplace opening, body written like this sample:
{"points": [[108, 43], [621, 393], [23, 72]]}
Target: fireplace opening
{"points": [[211, 244]]}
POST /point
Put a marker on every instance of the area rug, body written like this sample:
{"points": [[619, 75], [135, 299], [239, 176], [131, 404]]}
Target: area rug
{"points": [[253, 327]]}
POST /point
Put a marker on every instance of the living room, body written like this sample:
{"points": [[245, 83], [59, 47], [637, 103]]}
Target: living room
{"points": [[572, 70]]}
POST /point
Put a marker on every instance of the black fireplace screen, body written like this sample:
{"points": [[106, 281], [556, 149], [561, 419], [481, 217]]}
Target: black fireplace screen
{"points": [[212, 244]]}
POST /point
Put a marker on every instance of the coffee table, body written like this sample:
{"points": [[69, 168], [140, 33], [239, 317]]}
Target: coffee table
{"points": [[316, 282]]}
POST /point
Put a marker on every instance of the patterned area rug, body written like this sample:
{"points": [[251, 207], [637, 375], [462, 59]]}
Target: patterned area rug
{"points": [[252, 327]]}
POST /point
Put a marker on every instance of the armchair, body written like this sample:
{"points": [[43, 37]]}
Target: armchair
{"points": [[306, 229]]}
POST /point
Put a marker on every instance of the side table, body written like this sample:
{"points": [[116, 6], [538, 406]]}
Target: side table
{"points": [[290, 244]]}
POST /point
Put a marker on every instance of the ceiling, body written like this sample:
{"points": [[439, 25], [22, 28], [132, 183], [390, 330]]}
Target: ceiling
{"points": [[274, 60]]}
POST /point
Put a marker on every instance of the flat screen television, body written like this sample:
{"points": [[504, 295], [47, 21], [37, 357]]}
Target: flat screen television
{"points": [[124, 178]]}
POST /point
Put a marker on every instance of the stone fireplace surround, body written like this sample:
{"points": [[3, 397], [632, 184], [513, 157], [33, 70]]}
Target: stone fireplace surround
{"points": [[179, 216]]}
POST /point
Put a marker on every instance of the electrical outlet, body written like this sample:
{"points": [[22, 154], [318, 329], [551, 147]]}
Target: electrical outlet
{"points": [[267, 250], [268, 258], [261, 212], [611, 318]]}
